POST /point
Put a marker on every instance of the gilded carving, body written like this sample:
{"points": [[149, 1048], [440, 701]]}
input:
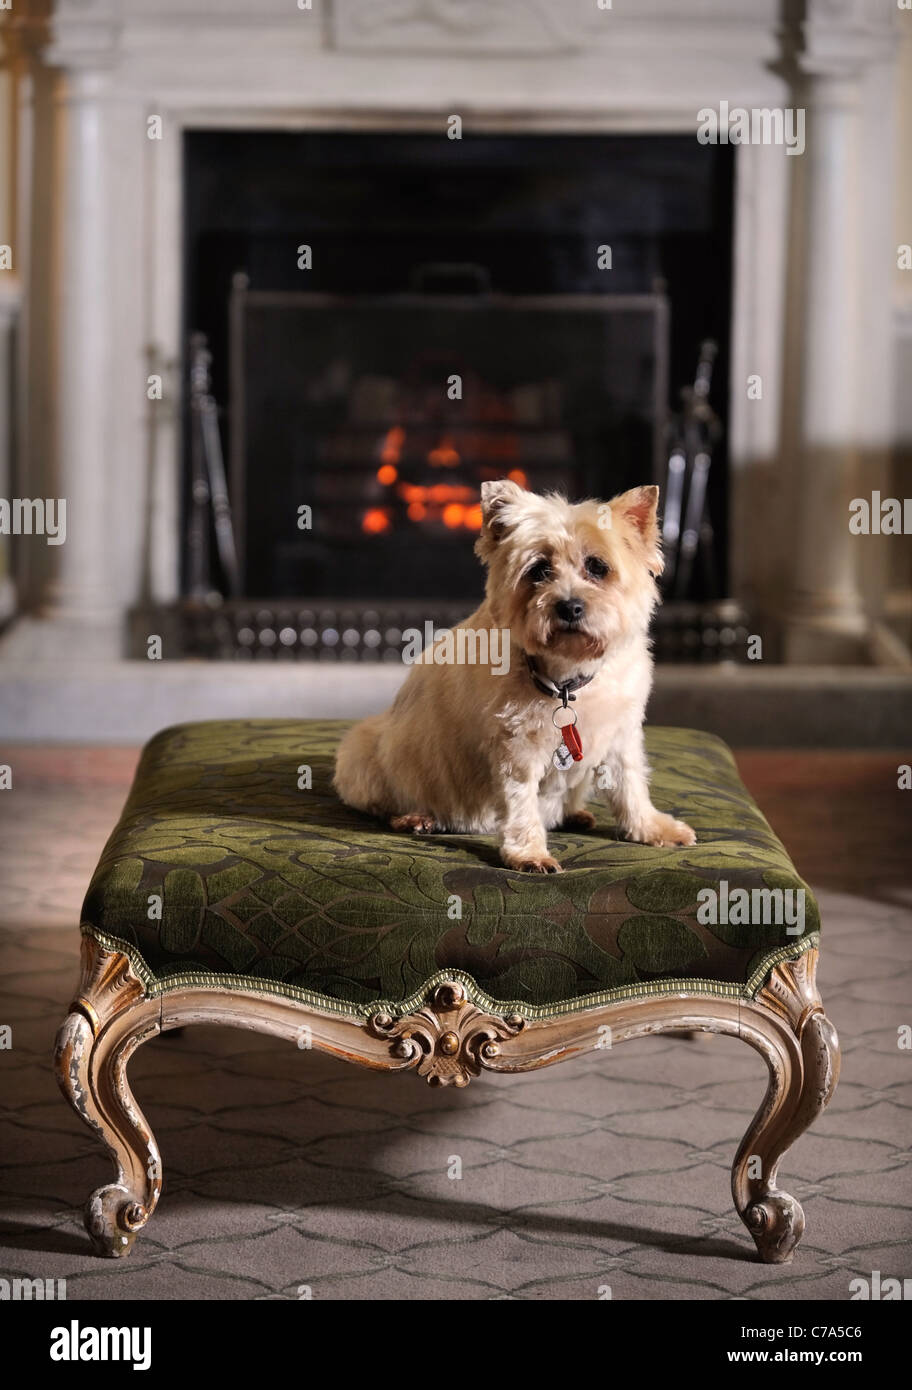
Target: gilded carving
{"points": [[449, 1040]]}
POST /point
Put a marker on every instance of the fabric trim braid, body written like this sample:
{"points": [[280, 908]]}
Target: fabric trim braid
{"points": [[156, 985]]}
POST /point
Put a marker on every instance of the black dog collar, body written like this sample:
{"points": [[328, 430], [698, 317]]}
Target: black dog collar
{"points": [[564, 691]]}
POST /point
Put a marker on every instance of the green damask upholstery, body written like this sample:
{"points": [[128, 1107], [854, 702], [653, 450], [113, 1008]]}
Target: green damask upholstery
{"points": [[265, 885]]}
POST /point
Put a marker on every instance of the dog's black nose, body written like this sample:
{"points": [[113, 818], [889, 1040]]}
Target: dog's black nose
{"points": [[570, 610]]}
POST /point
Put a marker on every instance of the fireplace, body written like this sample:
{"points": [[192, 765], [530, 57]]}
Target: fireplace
{"points": [[393, 318], [183, 143]]}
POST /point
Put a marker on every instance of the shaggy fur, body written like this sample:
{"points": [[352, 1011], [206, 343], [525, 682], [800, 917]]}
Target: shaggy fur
{"points": [[463, 749]]}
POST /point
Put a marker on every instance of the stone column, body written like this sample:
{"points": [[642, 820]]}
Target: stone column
{"points": [[9, 309], [826, 621], [9, 313], [78, 594]]}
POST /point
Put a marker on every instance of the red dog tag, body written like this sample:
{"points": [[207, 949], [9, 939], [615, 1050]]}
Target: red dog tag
{"points": [[572, 741]]}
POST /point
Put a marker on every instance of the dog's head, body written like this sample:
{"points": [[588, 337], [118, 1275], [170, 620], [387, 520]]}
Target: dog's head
{"points": [[572, 581]]}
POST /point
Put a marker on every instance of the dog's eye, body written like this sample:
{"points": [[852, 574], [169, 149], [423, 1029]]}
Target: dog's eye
{"points": [[594, 567], [538, 572]]}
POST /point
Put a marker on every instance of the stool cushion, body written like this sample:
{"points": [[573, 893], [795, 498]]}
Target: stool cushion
{"points": [[226, 867]]}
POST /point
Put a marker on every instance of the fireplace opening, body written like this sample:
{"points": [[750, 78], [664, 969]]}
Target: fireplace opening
{"points": [[384, 415], [392, 318]]}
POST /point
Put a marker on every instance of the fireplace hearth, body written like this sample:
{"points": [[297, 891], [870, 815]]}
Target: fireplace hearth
{"points": [[368, 632]]}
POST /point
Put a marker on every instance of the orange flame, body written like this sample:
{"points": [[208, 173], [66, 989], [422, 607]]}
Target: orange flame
{"points": [[391, 449], [450, 492], [375, 521], [445, 455]]}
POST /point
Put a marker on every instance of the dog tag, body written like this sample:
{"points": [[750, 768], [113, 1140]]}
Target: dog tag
{"points": [[562, 758], [573, 742]]}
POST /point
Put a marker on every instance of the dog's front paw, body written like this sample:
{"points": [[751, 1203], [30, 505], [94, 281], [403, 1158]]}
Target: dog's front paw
{"points": [[532, 863], [663, 832], [417, 824]]}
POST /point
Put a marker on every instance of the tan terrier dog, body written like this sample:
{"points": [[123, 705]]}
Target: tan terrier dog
{"points": [[470, 747]]}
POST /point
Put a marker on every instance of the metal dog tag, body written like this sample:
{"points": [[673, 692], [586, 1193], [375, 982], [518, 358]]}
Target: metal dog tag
{"points": [[570, 749]]}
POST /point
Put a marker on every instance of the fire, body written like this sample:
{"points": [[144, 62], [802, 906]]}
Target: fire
{"points": [[445, 455], [448, 492], [438, 493], [453, 504], [375, 521], [391, 449]]}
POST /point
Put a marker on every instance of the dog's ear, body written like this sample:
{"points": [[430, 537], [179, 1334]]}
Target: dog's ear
{"points": [[496, 497], [639, 507]]}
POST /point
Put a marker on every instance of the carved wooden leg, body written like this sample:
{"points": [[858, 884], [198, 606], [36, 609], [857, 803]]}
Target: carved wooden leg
{"points": [[799, 1042], [109, 1019]]}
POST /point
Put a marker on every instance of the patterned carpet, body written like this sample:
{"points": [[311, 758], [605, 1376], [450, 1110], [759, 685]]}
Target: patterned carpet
{"points": [[288, 1174]]}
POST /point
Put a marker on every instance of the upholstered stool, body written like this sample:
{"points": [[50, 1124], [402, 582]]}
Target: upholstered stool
{"points": [[237, 889]]}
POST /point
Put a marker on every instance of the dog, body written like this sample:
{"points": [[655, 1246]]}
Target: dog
{"points": [[468, 748]]}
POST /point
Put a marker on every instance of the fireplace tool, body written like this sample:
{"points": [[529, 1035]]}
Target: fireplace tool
{"points": [[686, 526], [209, 489]]}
